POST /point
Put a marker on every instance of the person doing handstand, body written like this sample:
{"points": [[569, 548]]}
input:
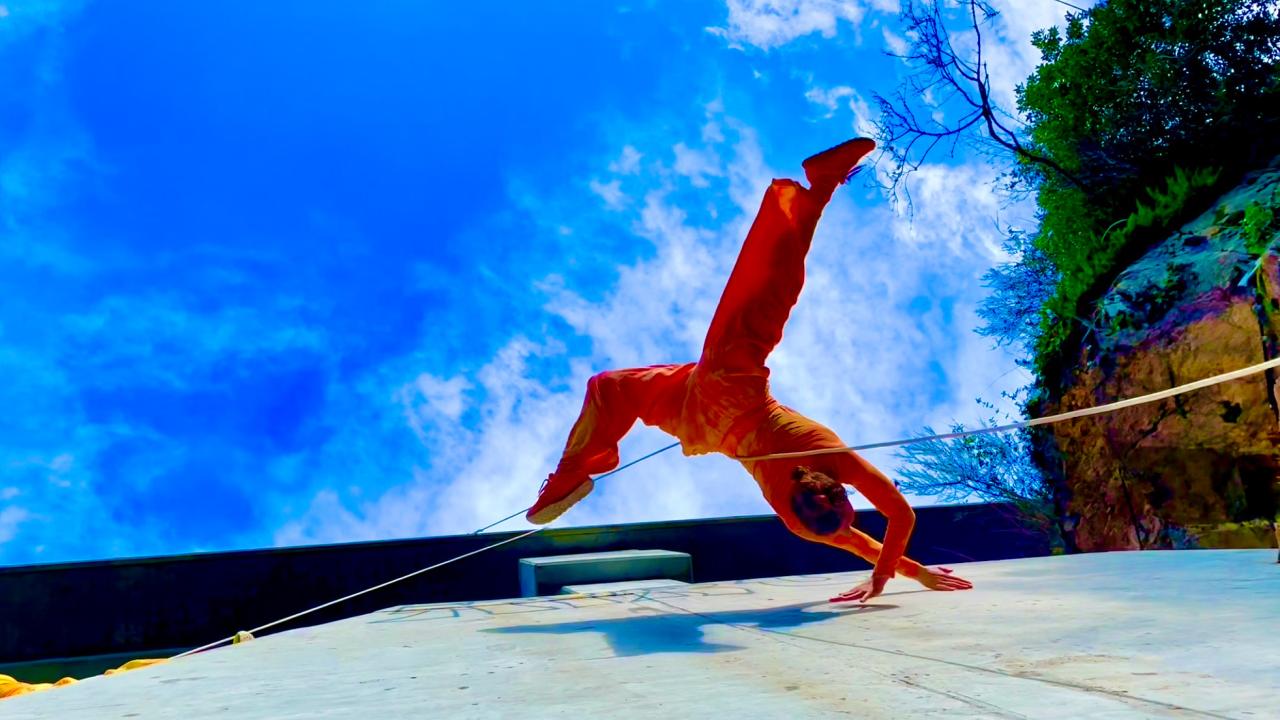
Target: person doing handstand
{"points": [[722, 402]]}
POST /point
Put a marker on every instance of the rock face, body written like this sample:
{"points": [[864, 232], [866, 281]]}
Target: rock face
{"points": [[1200, 303]]}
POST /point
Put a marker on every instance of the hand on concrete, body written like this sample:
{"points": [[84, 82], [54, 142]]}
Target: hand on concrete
{"points": [[865, 591], [942, 579]]}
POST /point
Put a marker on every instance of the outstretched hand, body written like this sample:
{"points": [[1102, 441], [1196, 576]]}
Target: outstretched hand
{"points": [[942, 579], [863, 592]]}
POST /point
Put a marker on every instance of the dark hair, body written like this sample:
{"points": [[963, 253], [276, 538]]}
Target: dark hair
{"points": [[818, 500]]}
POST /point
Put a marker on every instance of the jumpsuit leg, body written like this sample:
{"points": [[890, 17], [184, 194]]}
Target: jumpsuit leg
{"points": [[766, 280], [615, 400]]}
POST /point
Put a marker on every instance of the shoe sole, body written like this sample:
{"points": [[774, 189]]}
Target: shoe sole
{"points": [[845, 146], [558, 508]]}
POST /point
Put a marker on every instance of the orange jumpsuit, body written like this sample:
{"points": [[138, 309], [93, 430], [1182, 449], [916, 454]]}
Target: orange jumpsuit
{"points": [[722, 402]]}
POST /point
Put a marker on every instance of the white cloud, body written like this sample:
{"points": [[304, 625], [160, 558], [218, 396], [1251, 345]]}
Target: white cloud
{"points": [[10, 518], [160, 335], [863, 116], [428, 398], [628, 162], [952, 206], [830, 98], [768, 24], [894, 42], [473, 475], [52, 488], [854, 102], [712, 132], [22, 18], [610, 192], [696, 165], [1006, 48]]}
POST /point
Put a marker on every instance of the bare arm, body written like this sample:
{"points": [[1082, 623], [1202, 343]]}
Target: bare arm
{"points": [[851, 469], [889, 559], [890, 502], [864, 546], [869, 549]]}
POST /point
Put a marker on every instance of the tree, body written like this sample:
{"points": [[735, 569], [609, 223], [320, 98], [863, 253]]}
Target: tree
{"points": [[990, 467], [1126, 92], [1134, 101], [946, 97], [1018, 291], [1133, 97], [1138, 112]]}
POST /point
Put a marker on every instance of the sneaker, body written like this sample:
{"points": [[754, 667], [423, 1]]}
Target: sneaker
{"points": [[558, 494], [836, 165]]}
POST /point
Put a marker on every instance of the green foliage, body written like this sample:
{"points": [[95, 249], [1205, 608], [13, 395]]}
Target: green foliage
{"points": [[1257, 223], [1170, 202], [1018, 289], [1088, 261], [991, 467], [1131, 88], [1257, 226], [1128, 94]]}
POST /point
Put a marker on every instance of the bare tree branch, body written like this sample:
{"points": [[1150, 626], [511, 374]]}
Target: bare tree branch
{"points": [[942, 77]]}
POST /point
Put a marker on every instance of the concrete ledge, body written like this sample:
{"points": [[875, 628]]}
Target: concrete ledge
{"points": [[546, 575], [624, 586]]}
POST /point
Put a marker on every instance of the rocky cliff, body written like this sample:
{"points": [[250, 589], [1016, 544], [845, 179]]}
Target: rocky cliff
{"points": [[1204, 301]]}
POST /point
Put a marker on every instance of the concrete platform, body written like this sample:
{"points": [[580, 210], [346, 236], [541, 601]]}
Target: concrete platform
{"points": [[1190, 634], [548, 575]]}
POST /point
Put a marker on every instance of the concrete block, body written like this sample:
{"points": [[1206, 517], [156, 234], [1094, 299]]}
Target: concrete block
{"points": [[624, 586], [546, 575]]}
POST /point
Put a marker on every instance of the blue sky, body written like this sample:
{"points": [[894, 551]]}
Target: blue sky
{"points": [[284, 273]]}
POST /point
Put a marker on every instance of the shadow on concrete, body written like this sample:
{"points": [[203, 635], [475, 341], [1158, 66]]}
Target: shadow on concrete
{"points": [[652, 630]]}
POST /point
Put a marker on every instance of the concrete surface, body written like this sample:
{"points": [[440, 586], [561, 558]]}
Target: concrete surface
{"points": [[1188, 634]]}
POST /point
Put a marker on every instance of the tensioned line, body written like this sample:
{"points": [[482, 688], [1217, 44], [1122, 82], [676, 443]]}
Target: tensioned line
{"points": [[597, 478], [1047, 420], [297, 615], [1050, 419]]}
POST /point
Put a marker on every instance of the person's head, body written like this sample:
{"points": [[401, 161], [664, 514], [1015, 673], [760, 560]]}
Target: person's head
{"points": [[819, 502]]}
